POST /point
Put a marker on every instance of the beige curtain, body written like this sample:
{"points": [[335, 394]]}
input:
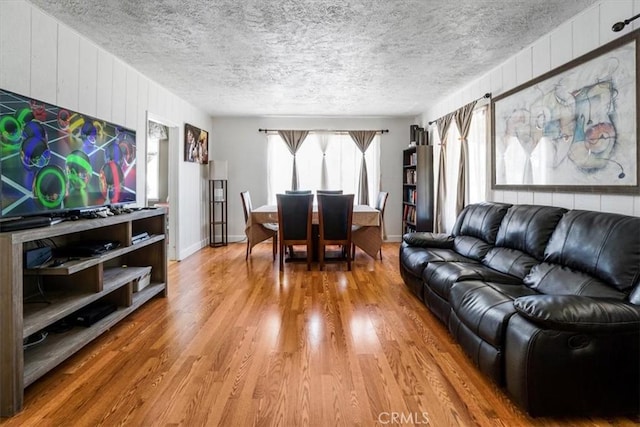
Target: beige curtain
{"points": [[442, 124], [463, 121], [293, 139], [363, 139]]}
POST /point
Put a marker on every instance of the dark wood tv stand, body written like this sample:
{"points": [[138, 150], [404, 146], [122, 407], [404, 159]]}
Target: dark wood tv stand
{"points": [[69, 287]]}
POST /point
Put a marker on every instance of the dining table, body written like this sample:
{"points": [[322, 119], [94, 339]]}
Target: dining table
{"points": [[367, 221]]}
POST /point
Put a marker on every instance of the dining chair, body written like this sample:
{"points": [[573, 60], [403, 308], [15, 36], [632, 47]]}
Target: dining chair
{"points": [[328, 191], [257, 233], [297, 192], [381, 203], [335, 218], [294, 220]]}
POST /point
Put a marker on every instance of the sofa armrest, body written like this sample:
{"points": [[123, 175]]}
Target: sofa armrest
{"points": [[425, 239], [579, 313]]}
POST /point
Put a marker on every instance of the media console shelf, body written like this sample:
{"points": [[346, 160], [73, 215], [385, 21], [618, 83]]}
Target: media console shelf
{"points": [[68, 287]]}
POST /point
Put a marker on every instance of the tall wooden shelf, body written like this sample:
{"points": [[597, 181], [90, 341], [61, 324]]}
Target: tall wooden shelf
{"points": [[69, 287], [417, 189]]}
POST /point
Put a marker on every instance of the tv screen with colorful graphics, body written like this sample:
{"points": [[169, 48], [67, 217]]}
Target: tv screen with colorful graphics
{"points": [[54, 160]]}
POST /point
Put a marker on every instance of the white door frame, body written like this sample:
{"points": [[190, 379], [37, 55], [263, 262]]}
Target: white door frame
{"points": [[174, 154]]}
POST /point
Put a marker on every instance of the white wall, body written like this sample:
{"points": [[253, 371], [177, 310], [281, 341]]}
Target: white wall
{"points": [[238, 141], [581, 34], [44, 59]]}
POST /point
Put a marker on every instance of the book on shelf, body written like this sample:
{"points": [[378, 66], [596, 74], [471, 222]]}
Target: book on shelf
{"points": [[410, 176]]}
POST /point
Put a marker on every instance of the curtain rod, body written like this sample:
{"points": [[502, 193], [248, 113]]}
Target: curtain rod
{"points": [[486, 95], [322, 130]]}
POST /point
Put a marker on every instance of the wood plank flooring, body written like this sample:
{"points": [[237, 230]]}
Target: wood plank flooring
{"points": [[238, 344]]}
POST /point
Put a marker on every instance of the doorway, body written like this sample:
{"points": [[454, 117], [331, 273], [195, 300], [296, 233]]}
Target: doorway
{"points": [[159, 191]]}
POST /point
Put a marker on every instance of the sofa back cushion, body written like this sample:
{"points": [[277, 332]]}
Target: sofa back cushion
{"points": [[528, 228], [509, 261], [480, 220], [603, 245], [522, 237], [476, 228]]}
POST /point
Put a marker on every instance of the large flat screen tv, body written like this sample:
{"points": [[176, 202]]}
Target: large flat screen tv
{"points": [[54, 160]]}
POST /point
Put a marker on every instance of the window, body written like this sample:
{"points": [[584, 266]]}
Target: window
{"points": [[343, 160]]}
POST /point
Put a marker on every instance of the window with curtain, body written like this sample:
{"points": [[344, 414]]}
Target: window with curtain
{"points": [[477, 171], [343, 160]]}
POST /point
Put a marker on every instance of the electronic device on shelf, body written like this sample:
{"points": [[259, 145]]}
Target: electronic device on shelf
{"points": [[139, 237], [25, 223], [37, 256], [35, 339], [93, 312], [56, 160], [86, 248], [119, 210]]}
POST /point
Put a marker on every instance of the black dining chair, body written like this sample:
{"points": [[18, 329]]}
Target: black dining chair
{"points": [[267, 231], [297, 192], [328, 191], [294, 220], [335, 217]]}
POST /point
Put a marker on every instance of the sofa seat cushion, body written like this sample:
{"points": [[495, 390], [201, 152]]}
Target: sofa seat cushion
{"points": [[485, 307], [510, 261], [471, 247], [415, 259], [441, 276], [553, 279]]}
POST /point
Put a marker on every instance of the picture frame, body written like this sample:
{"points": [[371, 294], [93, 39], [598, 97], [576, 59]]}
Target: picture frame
{"points": [[196, 144], [574, 128]]}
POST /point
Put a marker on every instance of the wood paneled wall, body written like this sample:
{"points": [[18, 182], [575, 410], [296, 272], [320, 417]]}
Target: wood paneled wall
{"points": [[581, 34], [45, 59]]}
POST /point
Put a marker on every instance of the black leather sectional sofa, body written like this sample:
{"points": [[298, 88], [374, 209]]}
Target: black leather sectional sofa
{"points": [[544, 301]]}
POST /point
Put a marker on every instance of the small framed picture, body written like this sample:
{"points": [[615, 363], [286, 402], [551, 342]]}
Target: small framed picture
{"points": [[196, 144]]}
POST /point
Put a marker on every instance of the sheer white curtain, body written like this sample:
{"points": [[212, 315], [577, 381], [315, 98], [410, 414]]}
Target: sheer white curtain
{"points": [[452, 167], [478, 160], [342, 160]]}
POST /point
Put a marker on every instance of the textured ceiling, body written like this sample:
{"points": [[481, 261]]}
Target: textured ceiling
{"points": [[313, 57]]}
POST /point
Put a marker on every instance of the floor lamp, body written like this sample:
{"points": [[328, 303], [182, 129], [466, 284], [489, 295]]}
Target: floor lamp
{"points": [[218, 232]]}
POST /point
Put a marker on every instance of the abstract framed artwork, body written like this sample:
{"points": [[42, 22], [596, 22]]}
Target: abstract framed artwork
{"points": [[574, 128], [196, 144]]}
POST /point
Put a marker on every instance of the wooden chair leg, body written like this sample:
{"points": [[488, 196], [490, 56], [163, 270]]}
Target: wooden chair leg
{"points": [[281, 257], [309, 250], [275, 245], [380, 253], [246, 256]]}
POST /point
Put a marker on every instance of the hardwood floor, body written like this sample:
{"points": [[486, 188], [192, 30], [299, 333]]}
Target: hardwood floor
{"points": [[238, 343]]}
